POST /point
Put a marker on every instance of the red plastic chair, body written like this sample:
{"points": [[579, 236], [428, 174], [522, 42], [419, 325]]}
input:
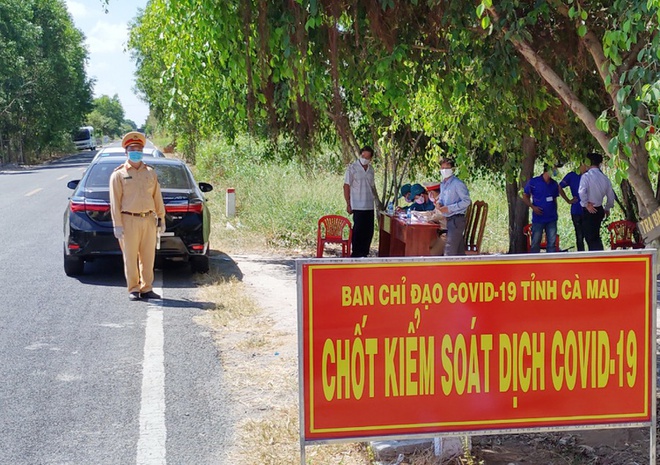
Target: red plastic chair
{"points": [[334, 229], [623, 234], [527, 231]]}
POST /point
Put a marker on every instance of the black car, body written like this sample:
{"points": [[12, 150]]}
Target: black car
{"points": [[88, 232]]}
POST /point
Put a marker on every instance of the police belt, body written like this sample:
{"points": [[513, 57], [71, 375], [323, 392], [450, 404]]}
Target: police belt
{"points": [[141, 215]]}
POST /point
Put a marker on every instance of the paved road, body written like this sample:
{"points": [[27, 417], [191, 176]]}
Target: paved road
{"points": [[87, 377]]}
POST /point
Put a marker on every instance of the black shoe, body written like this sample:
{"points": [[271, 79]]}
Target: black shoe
{"points": [[133, 296], [149, 295]]}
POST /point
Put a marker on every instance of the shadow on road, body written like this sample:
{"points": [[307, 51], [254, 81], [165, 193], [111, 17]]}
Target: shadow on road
{"points": [[71, 161], [225, 266], [178, 303]]}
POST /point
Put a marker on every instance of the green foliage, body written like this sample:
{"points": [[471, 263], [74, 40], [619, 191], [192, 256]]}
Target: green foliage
{"points": [[44, 91], [416, 79], [107, 118], [278, 203], [313, 74]]}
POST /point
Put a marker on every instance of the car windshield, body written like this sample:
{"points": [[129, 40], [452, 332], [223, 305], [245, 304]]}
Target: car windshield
{"points": [[169, 176], [83, 134]]}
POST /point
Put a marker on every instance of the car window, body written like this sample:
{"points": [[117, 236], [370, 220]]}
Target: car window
{"points": [[99, 175], [169, 176], [172, 177]]}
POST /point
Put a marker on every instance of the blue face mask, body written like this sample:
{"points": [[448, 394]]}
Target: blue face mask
{"points": [[135, 156]]}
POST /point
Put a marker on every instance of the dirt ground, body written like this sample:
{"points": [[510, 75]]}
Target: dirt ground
{"points": [[272, 283]]}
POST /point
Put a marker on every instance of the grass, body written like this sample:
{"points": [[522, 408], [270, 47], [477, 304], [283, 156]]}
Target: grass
{"points": [[278, 203], [263, 389], [277, 206]]}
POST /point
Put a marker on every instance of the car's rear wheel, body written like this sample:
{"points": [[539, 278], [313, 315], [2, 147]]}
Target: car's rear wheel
{"points": [[73, 266], [199, 264]]}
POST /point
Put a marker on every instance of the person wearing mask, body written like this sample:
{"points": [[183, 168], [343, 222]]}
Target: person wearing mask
{"points": [[137, 210], [421, 202], [404, 193], [359, 193], [540, 194], [594, 188], [433, 189], [453, 202], [572, 181]]}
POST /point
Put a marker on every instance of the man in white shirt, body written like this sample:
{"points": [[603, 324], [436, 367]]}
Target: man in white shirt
{"points": [[359, 188], [594, 188]]}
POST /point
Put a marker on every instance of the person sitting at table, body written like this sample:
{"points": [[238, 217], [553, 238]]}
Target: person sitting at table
{"points": [[433, 189], [404, 193], [421, 202]]}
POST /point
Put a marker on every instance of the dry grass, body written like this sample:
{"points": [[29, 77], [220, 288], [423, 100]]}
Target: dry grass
{"points": [[263, 384]]}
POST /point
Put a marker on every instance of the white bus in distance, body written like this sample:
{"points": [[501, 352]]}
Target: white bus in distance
{"points": [[84, 138]]}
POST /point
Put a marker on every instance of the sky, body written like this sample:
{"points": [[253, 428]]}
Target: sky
{"points": [[106, 37]]}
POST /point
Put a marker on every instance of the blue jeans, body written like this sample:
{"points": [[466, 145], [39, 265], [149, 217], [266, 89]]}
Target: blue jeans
{"points": [[550, 236]]}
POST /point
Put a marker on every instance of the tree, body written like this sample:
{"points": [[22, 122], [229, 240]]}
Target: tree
{"points": [[44, 92], [418, 79], [623, 44], [108, 116]]}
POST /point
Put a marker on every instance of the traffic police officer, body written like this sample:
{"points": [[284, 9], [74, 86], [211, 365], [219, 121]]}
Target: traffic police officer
{"points": [[137, 211]]}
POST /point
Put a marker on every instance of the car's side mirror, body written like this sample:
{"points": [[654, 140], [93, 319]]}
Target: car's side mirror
{"points": [[73, 184], [205, 187]]}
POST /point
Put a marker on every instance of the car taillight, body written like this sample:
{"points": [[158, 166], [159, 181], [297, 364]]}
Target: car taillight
{"points": [[77, 206], [196, 207], [185, 208], [176, 208], [88, 207], [197, 247], [97, 208]]}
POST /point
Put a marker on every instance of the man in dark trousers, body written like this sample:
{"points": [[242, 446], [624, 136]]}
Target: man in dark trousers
{"points": [[453, 201], [594, 188], [359, 189], [572, 181]]}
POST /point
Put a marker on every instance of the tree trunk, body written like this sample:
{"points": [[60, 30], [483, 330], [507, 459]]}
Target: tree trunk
{"points": [[638, 175], [638, 162], [628, 202], [518, 211]]}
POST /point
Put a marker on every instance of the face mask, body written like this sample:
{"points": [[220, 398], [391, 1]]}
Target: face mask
{"points": [[419, 200], [135, 156], [364, 161], [446, 172]]}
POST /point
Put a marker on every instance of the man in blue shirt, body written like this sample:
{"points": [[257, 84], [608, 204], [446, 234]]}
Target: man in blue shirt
{"points": [[453, 202], [540, 195], [572, 181]]}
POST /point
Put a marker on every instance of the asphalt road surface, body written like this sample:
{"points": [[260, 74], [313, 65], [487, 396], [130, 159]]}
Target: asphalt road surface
{"points": [[87, 377]]}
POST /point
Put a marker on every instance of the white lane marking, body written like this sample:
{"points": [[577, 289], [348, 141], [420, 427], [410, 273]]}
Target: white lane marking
{"points": [[34, 192], [62, 177], [153, 432]]}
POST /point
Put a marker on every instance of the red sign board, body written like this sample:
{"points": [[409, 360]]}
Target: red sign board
{"points": [[392, 348]]}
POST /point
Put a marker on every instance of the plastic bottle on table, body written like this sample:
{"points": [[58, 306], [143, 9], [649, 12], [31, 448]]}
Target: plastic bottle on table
{"points": [[408, 215], [390, 207]]}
